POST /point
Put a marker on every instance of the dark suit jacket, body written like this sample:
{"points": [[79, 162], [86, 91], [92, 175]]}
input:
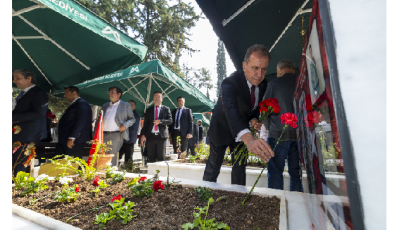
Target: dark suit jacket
{"points": [[76, 122], [194, 139], [30, 114], [186, 121], [165, 117], [200, 132], [232, 112], [133, 130]]}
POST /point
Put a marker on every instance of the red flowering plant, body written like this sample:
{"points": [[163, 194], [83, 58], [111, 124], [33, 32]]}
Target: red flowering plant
{"points": [[289, 119], [266, 107], [313, 118], [158, 185], [99, 185], [51, 115], [118, 197], [77, 188]]}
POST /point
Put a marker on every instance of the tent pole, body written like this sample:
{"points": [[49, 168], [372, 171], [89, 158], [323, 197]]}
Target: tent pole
{"points": [[148, 92]]}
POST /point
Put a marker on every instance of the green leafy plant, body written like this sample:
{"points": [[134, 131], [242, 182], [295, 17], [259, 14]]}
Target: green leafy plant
{"points": [[192, 159], [101, 185], [205, 224], [87, 171], [22, 179], [120, 210], [67, 194], [143, 187], [203, 193], [109, 172], [117, 177], [156, 176], [32, 185], [60, 176]]}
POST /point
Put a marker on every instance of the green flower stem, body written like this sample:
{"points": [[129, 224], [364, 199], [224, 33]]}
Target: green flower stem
{"points": [[243, 202], [34, 201], [93, 209], [277, 142]]}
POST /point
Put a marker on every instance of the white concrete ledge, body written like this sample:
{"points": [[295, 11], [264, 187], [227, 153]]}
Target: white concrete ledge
{"points": [[41, 219]]}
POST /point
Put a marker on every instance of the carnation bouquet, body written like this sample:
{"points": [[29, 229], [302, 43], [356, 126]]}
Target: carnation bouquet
{"points": [[266, 107]]}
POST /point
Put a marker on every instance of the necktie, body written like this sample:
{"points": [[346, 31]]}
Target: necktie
{"points": [[177, 119], [20, 95], [156, 116], [252, 97]]}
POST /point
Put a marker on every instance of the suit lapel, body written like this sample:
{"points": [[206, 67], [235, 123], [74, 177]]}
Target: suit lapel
{"points": [[245, 90]]}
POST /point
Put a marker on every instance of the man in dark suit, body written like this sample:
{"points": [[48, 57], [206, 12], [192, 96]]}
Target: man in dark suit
{"points": [[75, 125], [193, 142], [155, 131], [236, 107], [182, 125], [29, 113], [200, 131], [128, 145]]}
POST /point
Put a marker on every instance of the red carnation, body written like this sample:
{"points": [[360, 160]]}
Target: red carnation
{"points": [[158, 184], [313, 117], [289, 119], [142, 179], [49, 114], [13, 130], [96, 180], [118, 197], [53, 116], [77, 188]]}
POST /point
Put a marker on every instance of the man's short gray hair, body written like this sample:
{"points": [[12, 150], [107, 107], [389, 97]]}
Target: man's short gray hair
{"points": [[26, 73], [285, 63], [260, 49]]}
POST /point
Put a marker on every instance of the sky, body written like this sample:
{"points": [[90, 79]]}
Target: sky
{"points": [[203, 38]]}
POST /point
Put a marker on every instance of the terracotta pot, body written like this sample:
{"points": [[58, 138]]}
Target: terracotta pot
{"points": [[104, 160]]}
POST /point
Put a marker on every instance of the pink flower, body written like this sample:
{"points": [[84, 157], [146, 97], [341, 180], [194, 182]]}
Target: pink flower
{"points": [[118, 197], [158, 185]]}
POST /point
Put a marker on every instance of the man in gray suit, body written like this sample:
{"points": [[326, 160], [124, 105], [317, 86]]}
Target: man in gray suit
{"points": [[118, 117]]}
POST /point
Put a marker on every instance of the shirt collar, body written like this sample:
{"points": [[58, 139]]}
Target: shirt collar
{"points": [[27, 89], [249, 84], [183, 107], [75, 100], [159, 106], [116, 103]]}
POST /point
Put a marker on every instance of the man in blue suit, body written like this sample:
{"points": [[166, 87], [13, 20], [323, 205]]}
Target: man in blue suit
{"points": [[29, 113], [128, 145], [75, 125]]}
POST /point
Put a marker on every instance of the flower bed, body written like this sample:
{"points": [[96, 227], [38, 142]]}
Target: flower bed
{"points": [[159, 211]]}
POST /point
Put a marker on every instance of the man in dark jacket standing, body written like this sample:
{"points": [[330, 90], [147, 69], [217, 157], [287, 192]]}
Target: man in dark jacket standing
{"points": [[75, 125], [200, 131], [236, 107], [29, 113], [155, 131], [193, 142], [182, 125], [128, 145], [283, 88]]}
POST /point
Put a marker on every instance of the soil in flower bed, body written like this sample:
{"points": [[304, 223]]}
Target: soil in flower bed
{"points": [[225, 162], [159, 211]]}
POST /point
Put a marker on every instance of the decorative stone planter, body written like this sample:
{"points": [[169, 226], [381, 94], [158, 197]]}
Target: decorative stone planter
{"points": [[58, 225]]}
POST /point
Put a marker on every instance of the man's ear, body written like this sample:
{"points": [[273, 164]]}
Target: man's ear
{"points": [[29, 79], [244, 66]]}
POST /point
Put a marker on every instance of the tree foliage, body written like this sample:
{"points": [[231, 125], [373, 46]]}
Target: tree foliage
{"points": [[199, 78], [220, 65], [163, 26]]}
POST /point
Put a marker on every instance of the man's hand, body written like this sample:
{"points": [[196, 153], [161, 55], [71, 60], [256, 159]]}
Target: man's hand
{"points": [[156, 122], [259, 147], [70, 143], [255, 125], [196, 145], [189, 136], [143, 139], [122, 128]]}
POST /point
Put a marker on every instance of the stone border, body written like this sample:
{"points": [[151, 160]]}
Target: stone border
{"points": [[41, 219]]}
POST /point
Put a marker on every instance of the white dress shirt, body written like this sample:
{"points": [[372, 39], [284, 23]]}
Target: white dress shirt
{"points": [[109, 123], [154, 115], [27, 89], [256, 102], [179, 118]]}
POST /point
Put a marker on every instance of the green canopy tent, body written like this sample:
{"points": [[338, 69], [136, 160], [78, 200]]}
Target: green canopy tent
{"points": [[139, 82], [199, 116], [277, 24], [65, 44]]}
